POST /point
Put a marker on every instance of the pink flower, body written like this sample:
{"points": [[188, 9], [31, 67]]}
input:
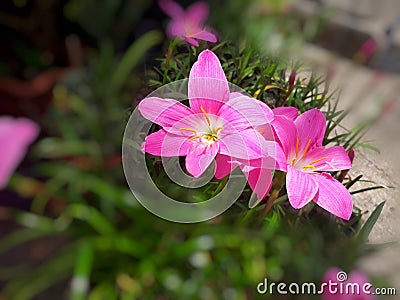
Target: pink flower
{"points": [[358, 286], [217, 123], [259, 171], [368, 48], [188, 24], [307, 162], [15, 137]]}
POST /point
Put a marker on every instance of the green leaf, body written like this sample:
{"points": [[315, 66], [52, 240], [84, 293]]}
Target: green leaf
{"points": [[103, 291], [81, 279], [368, 146], [377, 187], [20, 236], [56, 147], [352, 182], [132, 57], [90, 215], [369, 224]]}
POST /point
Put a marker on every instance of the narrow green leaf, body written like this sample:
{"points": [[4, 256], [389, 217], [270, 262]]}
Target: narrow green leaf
{"points": [[20, 236], [92, 216], [368, 146], [369, 189], [131, 58], [352, 182], [81, 278], [369, 224]]}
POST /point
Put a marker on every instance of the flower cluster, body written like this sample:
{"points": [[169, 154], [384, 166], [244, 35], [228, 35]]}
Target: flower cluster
{"points": [[239, 131]]}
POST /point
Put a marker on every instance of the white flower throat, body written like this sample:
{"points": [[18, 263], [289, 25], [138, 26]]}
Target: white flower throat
{"points": [[209, 136]]}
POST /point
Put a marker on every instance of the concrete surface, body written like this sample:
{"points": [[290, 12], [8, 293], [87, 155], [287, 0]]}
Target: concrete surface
{"points": [[365, 91]]}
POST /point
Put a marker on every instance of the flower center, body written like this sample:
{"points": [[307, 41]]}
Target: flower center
{"points": [[306, 167], [208, 137]]}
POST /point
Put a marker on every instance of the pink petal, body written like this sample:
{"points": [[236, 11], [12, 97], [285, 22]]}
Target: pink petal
{"points": [[197, 13], [176, 28], [336, 158], [285, 133], [280, 159], [260, 181], [197, 164], [358, 277], [171, 8], [331, 276], [190, 125], [273, 156], [246, 144], [270, 160], [207, 81], [192, 41], [333, 196], [289, 112], [244, 112], [264, 162], [205, 36], [224, 166], [235, 95], [161, 143], [301, 187], [269, 114], [355, 277], [311, 127], [164, 112], [15, 137]]}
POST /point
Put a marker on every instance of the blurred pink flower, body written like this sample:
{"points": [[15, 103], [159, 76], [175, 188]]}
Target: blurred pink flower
{"points": [[356, 280], [15, 137], [189, 24], [368, 48], [217, 123]]}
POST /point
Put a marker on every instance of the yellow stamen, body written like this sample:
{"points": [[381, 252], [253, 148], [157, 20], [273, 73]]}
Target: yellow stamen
{"points": [[318, 160], [188, 129], [205, 114], [293, 160], [260, 129], [310, 167], [219, 129], [213, 137], [306, 148], [297, 147], [194, 137]]}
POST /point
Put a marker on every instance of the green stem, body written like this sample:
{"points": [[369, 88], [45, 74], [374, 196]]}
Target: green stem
{"points": [[278, 185], [250, 214], [168, 59]]}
